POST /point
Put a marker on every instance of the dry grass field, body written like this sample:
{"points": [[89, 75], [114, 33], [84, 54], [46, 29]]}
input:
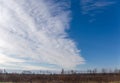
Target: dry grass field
{"points": [[60, 78], [61, 82]]}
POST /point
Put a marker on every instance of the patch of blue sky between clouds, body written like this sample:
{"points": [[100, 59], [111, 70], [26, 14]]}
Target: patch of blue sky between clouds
{"points": [[35, 31]]}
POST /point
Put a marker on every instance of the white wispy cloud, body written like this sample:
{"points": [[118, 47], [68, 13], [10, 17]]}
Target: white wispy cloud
{"points": [[94, 7], [35, 31], [89, 6], [4, 59]]}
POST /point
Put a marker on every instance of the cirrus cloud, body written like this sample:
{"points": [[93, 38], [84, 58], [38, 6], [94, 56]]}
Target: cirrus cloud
{"points": [[94, 7], [34, 31]]}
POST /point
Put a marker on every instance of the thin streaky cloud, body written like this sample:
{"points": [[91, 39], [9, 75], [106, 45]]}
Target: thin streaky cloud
{"points": [[88, 6], [35, 31]]}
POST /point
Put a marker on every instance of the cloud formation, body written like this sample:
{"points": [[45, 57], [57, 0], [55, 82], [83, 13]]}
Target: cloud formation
{"points": [[34, 31], [91, 6], [94, 7]]}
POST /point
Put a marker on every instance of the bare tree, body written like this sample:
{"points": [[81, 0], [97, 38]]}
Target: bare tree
{"points": [[62, 72]]}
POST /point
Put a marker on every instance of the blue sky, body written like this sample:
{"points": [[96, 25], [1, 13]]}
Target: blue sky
{"points": [[56, 34], [97, 34]]}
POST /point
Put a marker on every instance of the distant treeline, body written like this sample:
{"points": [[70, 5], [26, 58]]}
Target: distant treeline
{"points": [[89, 71]]}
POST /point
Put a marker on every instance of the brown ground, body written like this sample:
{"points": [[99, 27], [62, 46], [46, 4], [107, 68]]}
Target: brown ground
{"points": [[73, 78]]}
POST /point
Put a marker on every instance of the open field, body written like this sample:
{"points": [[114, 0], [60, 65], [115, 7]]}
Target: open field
{"points": [[60, 78], [62, 82]]}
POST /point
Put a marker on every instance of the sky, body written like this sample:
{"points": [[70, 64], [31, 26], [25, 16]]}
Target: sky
{"points": [[56, 34]]}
